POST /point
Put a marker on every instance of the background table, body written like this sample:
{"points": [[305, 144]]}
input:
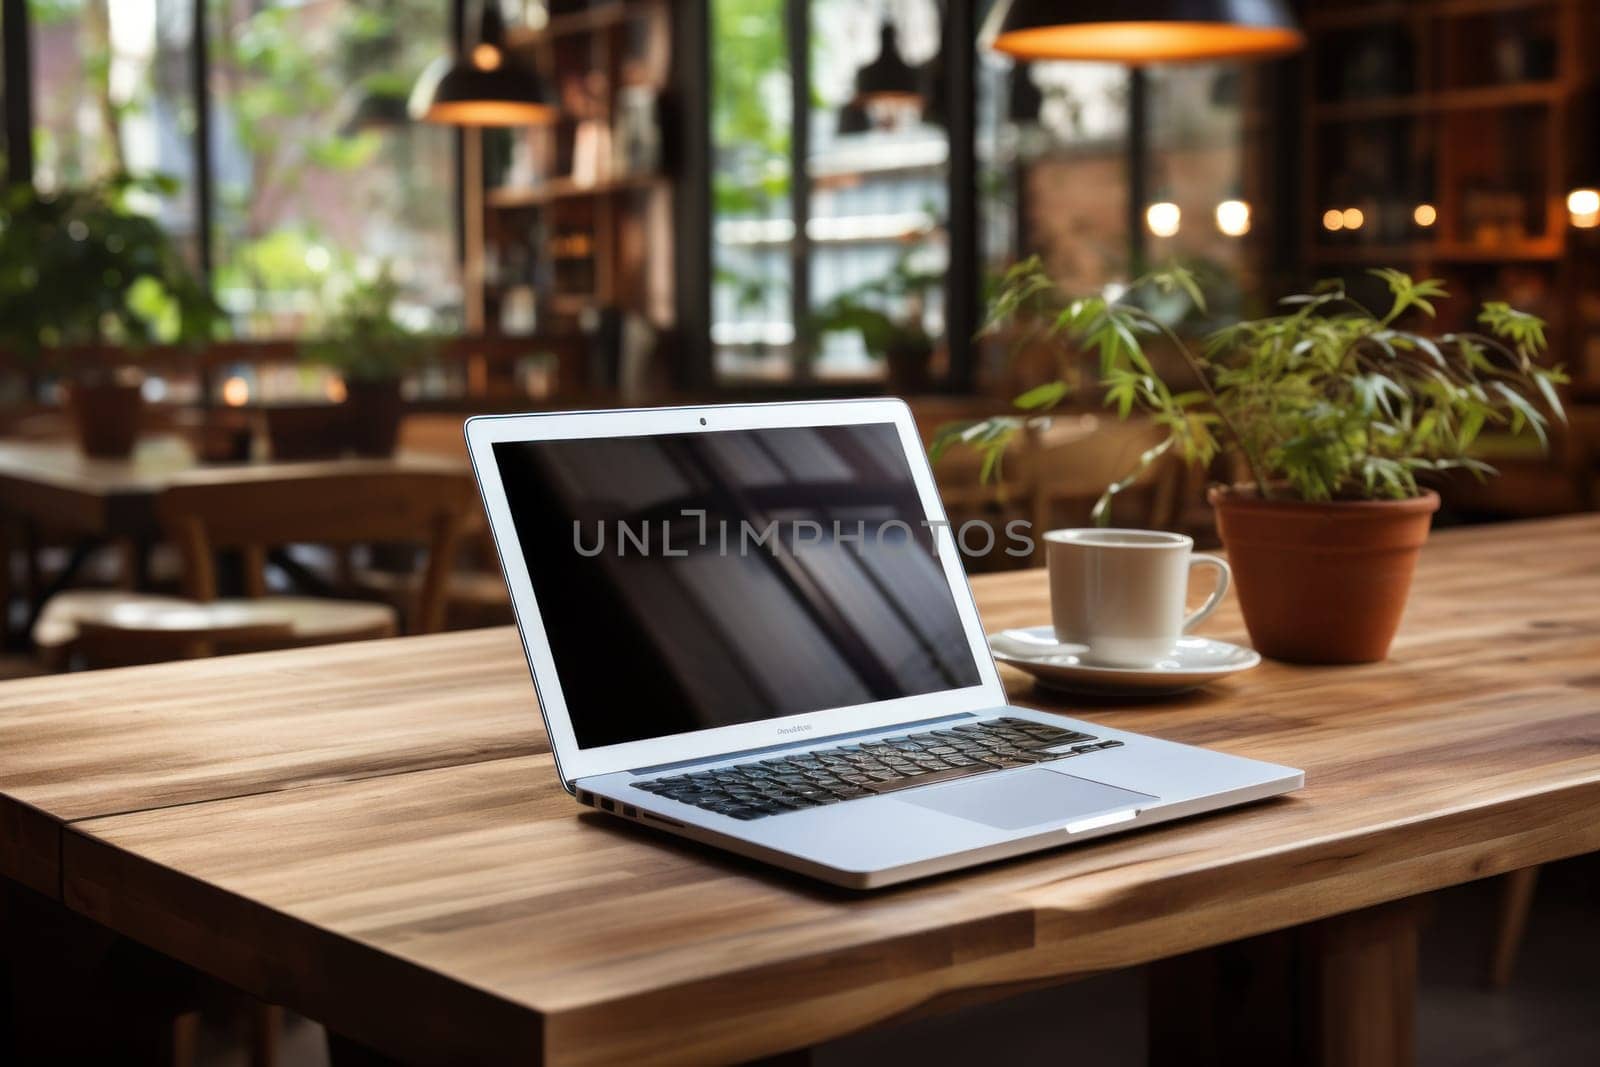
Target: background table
{"points": [[419, 881], [98, 501]]}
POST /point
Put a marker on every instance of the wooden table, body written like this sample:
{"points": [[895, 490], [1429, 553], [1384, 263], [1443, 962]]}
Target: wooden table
{"points": [[371, 835], [56, 483], [96, 501]]}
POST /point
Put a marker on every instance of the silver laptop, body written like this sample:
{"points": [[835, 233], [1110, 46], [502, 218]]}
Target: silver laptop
{"points": [[749, 625]]}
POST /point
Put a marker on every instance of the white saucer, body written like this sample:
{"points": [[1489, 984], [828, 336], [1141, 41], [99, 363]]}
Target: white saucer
{"points": [[1195, 662]]}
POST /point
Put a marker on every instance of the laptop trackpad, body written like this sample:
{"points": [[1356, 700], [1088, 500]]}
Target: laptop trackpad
{"points": [[1025, 798]]}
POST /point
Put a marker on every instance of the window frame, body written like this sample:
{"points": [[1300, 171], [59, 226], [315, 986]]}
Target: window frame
{"points": [[19, 129], [959, 46]]}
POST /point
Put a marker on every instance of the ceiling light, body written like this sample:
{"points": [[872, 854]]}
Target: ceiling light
{"points": [[1142, 31], [488, 87]]}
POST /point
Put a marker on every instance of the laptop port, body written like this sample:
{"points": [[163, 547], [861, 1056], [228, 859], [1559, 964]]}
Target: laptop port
{"points": [[607, 804], [648, 817], [630, 811], [585, 797]]}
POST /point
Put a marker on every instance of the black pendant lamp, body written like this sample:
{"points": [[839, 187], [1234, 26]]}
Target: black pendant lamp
{"points": [[889, 79], [853, 119], [1026, 101], [487, 86], [1142, 31]]}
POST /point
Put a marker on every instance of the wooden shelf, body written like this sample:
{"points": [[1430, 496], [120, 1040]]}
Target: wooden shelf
{"points": [[1533, 251], [1408, 10], [571, 303], [567, 189], [598, 18], [1480, 99]]}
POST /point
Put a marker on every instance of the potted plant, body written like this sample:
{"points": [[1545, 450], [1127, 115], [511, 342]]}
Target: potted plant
{"points": [[371, 350], [888, 315], [80, 271], [1338, 414]]}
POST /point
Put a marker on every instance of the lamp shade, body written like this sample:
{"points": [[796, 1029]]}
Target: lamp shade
{"points": [[488, 86], [889, 78], [853, 119], [1142, 31]]}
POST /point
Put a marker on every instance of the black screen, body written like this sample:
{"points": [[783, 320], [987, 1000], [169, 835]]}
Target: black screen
{"points": [[689, 581]]}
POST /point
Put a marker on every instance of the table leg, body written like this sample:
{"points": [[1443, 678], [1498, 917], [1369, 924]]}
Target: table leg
{"points": [[5, 581], [1336, 993], [80, 555], [73, 992], [1516, 902], [345, 1052]]}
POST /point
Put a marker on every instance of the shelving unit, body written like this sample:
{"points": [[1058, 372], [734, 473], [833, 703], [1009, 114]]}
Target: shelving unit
{"points": [[1459, 114], [1470, 107], [577, 216]]}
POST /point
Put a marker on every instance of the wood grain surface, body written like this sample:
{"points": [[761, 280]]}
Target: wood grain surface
{"points": [[91, 744], [468, 911]]}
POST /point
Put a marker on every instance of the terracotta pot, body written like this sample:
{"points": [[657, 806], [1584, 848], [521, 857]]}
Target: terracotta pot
{"points": [[372, 412], [305, 431], [107, 416], [1322, 583]]}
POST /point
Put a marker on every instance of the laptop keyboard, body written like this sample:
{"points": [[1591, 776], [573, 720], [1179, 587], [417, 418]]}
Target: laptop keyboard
{"points": [[760, 788]]}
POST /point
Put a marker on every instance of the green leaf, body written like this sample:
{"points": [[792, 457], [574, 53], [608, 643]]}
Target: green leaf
{"points": [[1043, 396], [1100, 515]]}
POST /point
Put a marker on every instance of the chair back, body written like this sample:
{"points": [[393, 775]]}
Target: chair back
{"points": [[346, 502], [1074, 468]]}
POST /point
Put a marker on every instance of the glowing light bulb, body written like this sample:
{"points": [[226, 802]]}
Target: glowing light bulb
{"points": [[1163, 218], [486, 57], [1425, 215], [1354, 219], [236, 392], [1584, 207], [1233, 218], [1333, 220]]}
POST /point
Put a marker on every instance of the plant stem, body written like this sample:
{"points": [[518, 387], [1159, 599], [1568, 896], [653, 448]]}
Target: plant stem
{"points": [[1257, 469]]}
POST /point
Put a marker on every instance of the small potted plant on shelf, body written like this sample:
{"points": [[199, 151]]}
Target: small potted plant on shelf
{"points": [[371, 350], [86, 279], [888, 314], [1336, 413]]}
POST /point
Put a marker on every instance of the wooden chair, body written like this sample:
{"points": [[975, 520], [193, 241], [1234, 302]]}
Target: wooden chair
{"points": [[475, 594], [346, 504], [1075, 461]]}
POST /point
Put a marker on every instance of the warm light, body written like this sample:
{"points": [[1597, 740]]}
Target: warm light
{"points": [[1353, 218], [486, 57], [1425, 215], [489, 113], [1584, 207], [1233, 218], [334, 389], [236, 392], [1144, 41], [1333, 220], [1163, 218]]}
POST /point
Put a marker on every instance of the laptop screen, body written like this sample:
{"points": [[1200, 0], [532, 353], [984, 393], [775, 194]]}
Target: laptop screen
{"points": [[690, 581]]}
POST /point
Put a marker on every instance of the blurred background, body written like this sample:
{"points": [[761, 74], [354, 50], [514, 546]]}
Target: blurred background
{"points": [[248, 232]]}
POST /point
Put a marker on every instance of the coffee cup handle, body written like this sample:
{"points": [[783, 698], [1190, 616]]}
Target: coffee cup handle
{"points": [[1224, 579]]}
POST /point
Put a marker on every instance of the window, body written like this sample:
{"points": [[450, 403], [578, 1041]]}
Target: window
{"points": [[111, 96], [869, 239], [1053, 153], [1196, 163], [316, 173], [752, 318]]}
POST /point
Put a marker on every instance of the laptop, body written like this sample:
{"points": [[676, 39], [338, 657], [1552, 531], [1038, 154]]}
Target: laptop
{"points": [[749, 625]]}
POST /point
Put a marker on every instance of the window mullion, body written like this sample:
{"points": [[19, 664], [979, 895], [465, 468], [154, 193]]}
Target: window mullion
{"points": [[798, 15]]}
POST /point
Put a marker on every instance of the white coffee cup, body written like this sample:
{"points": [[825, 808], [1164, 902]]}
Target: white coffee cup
{"points": [[1121, 593]]}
